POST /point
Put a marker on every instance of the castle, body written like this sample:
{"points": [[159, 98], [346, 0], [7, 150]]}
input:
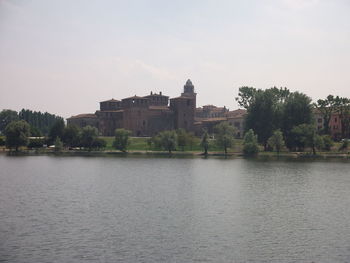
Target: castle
{"points": [[148, 115]]}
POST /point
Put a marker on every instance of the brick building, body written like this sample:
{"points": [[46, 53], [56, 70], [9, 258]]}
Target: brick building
{"points": [[143, 116]]}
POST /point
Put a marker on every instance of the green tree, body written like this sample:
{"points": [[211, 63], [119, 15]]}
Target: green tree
{"points": [[205, 142], [344, 145], [328, 142], [71, 136], [182, 138], [327, 107], [35, 132], [343, 109], [224, 134], [276, 141], [99, 143], [7, 116], [88, 136], [121, 140], [17, 133], [168, 140], [58, 144], [304, 135], [250, 143], [297, 110], [56, 131]]}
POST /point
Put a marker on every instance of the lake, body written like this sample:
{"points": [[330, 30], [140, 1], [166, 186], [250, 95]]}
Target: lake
{"points": [[113, 209]]}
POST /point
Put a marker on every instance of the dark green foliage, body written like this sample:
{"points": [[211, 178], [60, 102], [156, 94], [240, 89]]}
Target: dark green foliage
{"points": [[35, 132], [224, 135], [88, 136], [58, 144], [2, 141], [36, 143], [344, 145], [205, 142], [42, 121], [121, 140], [167, 140], [297, 110], [276, 141], [17, 133], [182, 138], [7, 116], [56, 131], [99, 143], [250, 144], [71, 136], [328, 142], [305, 135], [327, 107]]}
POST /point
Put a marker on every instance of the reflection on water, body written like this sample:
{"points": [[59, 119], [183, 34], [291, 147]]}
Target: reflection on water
{"points": [[76, 209]]}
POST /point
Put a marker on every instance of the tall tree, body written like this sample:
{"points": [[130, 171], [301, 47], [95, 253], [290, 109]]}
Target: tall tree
{"points": [[276, 141], [250, 143], [305, 135], [327, 107], [56, 131], [343, 109], [297, 110], [7, 116], [17, 133], [224, 135], [121, 140], [71, 136], [168, 140], [205, 142], [88, 136]]}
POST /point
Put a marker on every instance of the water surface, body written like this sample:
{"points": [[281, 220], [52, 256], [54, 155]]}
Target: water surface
{"points": [[85, 209]]}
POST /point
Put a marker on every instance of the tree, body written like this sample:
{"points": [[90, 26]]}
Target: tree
{"points": [[56, 131], [205, 142], [297, 110], [343, 109], [88, 136], [276, 141], [58, 144], [305, 135], [99, 143], [182, 138], [6, 117], [35, 132], [121, 140], [327, 107], [250, 143], [71, 136], [344, 145], [168, 140], [17, 133], [224, 134], [328, 142]]}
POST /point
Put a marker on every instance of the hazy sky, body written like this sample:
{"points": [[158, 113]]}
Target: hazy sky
{"points": [[65, 56]]}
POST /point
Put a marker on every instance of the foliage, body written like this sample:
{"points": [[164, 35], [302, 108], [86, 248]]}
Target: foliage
{"points": [[305, 135], [99, 143], [88, 136], [2, 141], [327, 107], [250, 143], [327, 142], [121, 139], [42, 121], [71, 136], [205, 142], [224, 134], [168, 140], [17, 133], [344, 145], [6, 117], [276, 141], [297, 110], [56, 131], [36, 142], [35, 132], [58, 144], [182, 138]]}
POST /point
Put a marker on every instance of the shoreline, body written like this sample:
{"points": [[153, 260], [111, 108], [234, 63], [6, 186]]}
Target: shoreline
{"points": [[180, 154]]}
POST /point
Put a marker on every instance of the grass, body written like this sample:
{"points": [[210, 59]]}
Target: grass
{"points": [[140, 144]]}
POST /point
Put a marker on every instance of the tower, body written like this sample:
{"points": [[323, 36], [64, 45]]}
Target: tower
{"points": [[184, 108]]}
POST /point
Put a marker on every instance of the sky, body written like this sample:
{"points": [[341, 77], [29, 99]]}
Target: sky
{"points": [[66, 56]]}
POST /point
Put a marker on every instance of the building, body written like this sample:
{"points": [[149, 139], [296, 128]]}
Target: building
{"points": [[143, 116]]}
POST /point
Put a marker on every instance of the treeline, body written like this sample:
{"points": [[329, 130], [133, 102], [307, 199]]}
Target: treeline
{"points": [[40, 123], [284, 118]]}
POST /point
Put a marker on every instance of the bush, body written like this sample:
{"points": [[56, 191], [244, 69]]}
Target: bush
{"points": [[99, 143], [36, 143], [344, 144], [121, 140], [250, 144], [2, 141], [327, 142]]}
